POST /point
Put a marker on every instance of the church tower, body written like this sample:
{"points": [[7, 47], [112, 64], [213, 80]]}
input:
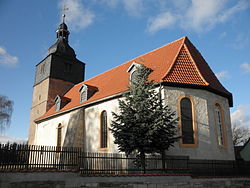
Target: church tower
{"points": [[55, 75]]}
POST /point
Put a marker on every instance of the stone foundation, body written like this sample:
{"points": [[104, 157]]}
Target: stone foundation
{"points": [[70, 180]]}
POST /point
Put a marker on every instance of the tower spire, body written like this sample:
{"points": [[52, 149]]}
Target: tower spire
{"points": [[63, 18], [62, 31]]}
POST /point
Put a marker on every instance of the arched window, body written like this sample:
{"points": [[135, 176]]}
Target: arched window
{"points": [[104, 130], [187, 130], [59, 137], [219, 124]]}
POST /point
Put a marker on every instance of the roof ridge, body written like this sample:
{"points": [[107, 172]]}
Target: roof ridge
{"points": [[176, 56], [182, 38], [194, 62]]}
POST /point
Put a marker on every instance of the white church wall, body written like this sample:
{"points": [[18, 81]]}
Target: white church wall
{"points": [[82, 126], [46, 131], [207, 146], [93, 125], [204, 101]]}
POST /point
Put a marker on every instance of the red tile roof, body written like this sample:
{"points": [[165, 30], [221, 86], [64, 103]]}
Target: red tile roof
{"points": [[184, 70], [178, 62]]}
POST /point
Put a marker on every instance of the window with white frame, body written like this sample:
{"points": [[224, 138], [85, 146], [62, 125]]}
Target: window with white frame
{"points": [[133, 71]]}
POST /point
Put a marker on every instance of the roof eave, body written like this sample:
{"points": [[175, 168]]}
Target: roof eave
{"points": [[85, 105]]}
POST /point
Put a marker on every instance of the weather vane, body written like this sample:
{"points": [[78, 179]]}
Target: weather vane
{"points": [[64, 13]]}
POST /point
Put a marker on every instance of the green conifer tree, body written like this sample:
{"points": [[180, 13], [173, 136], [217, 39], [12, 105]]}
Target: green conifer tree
{"points": [[164, 133], [142, 126]]}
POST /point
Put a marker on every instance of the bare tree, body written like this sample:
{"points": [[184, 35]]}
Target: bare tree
{"points": [[6, 108], [240, 134]]}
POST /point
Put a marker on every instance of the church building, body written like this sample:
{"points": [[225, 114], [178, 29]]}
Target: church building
{"points": [[72, 112]]}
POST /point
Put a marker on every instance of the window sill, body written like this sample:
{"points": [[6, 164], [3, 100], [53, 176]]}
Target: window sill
{"points": [[222, 146], [188, 145], [103, 149]]}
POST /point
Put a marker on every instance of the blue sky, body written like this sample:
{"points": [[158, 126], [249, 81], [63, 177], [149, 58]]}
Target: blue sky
{"points": [[106, 33]]}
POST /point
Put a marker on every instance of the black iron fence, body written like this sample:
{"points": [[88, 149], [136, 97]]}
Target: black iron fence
{"points": [[219, 167], [108, 163], [15, 157], [31, 157]]}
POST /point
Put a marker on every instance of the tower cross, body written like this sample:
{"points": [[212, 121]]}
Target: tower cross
{"points": [[64, 13]]}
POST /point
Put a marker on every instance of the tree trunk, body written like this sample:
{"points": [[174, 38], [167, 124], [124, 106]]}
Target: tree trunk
{"points": [[163, 156], [143, 162]]}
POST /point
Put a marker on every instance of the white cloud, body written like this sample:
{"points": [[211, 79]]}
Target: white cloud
{"points": [[77, 16], [241, 40], [6, 59], [201, 15], [240, 117], [221, 75], [161, 21], [111, 3], [222, 35], [178, 4], [4, 139], [205, 14], [133, 7], [240, 6], [245, 67]]}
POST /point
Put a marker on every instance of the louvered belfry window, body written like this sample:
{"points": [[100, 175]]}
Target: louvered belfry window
{"points": [[104, 130], [187, 121]]}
